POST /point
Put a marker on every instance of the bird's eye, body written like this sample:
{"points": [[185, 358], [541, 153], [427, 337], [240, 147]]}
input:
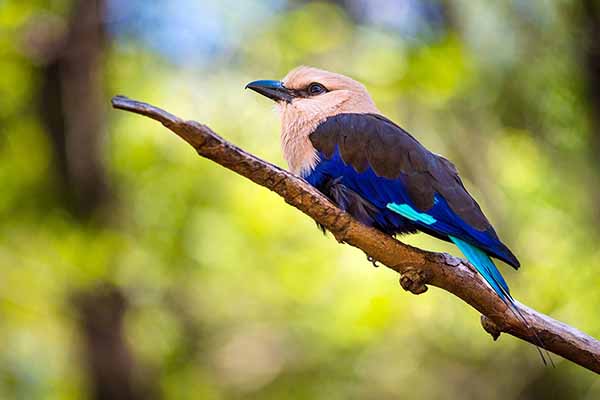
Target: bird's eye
{"points": [[316, 89]]}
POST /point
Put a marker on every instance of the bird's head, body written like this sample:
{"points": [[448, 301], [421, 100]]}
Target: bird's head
{"points": [[305, 98], [309, 95]]}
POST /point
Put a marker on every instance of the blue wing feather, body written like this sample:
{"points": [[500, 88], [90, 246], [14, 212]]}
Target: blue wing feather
{"points": [[440, 220]]}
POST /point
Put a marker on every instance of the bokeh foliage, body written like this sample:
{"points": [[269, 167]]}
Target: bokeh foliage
{"points": [[232, 293]]}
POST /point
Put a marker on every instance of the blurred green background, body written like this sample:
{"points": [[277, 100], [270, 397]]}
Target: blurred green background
{"points": [[131, 268]]}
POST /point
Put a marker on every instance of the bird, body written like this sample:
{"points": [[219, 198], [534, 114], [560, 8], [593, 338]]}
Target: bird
{"points": [[334, 136]]}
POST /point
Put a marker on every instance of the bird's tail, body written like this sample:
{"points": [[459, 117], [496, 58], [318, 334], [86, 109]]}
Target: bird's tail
{"points": [[485, 266], [487, 269]]}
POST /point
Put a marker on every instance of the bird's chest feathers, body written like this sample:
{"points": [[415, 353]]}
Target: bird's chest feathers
{"points": [[297, 148]]}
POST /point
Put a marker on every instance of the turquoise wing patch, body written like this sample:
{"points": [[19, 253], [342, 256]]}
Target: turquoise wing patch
{"points": [[410, 213]]}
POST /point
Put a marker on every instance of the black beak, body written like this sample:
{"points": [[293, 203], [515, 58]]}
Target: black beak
{"points": [[272, 89]]}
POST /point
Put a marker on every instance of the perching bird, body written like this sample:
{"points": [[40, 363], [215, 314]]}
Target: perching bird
{"points": [[333, 135]]}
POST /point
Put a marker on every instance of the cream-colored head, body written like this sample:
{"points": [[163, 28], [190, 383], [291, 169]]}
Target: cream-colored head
{"points": [[305, 98]]}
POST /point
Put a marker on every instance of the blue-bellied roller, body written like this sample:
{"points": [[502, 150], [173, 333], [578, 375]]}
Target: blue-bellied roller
{"points": [[333, 135]]}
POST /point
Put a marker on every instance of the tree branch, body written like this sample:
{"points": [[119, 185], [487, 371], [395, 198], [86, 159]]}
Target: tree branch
{"points": [[417, 267]]}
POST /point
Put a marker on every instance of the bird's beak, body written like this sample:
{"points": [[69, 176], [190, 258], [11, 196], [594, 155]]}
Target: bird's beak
{"points": [[272, 89]]}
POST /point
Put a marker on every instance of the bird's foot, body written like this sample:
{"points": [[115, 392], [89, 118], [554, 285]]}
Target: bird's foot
{"points": [[490, 327], [373, 261], [414, 281]]}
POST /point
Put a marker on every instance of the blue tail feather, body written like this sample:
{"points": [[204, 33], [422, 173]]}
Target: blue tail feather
{"points": [[485, 266]]}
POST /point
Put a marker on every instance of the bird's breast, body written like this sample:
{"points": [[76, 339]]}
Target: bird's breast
{"points": [[296, 146]]}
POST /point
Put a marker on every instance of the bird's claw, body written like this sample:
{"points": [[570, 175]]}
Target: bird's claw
{"points": [[373, 261]]}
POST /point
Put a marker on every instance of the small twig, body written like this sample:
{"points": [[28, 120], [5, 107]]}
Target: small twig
{"points": [[438, 269]]}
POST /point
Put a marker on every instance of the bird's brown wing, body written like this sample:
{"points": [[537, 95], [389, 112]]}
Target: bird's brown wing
{"points": [[371, 140]]}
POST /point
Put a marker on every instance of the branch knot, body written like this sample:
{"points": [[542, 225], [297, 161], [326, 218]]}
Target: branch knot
{"points": [[491, 327], [414, 280]]}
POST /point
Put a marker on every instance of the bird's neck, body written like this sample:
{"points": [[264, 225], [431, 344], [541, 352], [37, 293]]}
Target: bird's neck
{"points": [[297, 148], [301, 118]]}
